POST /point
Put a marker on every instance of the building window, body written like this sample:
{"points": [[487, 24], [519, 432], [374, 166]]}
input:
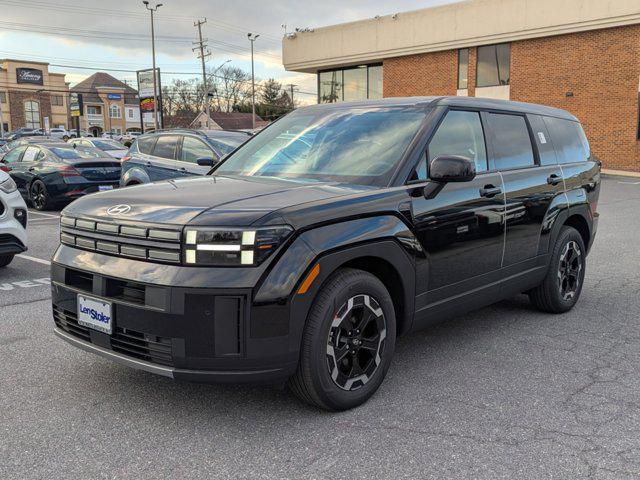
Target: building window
{"points": [[114, 111], [130, 112], [57, 101], [94, 110], [350, 84], [463, 68], [494, 62], [32, 114], [3, 97]]}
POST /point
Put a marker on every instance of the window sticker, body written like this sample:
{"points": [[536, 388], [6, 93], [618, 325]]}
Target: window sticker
{"points": [[542, 138]]}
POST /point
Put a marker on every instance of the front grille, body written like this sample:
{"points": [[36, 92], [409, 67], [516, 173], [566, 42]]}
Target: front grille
{"points": [[142, 346], [160, 245]]}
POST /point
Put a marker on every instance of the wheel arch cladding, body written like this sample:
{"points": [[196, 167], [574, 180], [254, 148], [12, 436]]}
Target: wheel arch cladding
{"points": [[578, 222], [379, 245]]}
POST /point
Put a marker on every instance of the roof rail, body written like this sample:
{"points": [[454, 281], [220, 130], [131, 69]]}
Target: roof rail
{"points": [[185, 130]]}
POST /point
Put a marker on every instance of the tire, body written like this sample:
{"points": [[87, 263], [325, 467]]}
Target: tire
{"points": [[334, 384], [65, 138], [561, 288], [39, 196], [5, 260]]}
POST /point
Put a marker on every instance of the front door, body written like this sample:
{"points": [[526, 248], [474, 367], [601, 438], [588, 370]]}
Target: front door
{"points": [[461, 228]]}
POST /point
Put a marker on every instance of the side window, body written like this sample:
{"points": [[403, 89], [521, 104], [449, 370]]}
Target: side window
{"points": [[512, 143], [14, 155], [193, 149], [543, 140], [145, 144], [460, 133], [569, 140], [166, 146], [31, 154]]}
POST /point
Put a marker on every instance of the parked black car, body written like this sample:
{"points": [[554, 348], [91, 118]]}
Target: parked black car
{"points": [[307, 251], [176, 153], [50, 174]]}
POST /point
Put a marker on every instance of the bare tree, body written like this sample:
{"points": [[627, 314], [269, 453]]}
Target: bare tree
{"points": [[230, 87]]}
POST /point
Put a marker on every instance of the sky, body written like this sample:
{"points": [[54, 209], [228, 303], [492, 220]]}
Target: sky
{"points": [[81, 37]]}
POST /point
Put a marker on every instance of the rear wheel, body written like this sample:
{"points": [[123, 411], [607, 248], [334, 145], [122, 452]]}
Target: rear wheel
{"points": [[348, 342], [5, 260], [39, 196], [561, 288]]}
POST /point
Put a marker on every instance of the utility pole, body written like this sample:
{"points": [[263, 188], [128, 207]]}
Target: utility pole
{"points": [[252, 38], [153, 52], [291, 85], [202, 46]]}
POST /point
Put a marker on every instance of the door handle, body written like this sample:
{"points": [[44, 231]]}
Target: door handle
{"points": [[31, 169], [554, 179], [489, 191]]}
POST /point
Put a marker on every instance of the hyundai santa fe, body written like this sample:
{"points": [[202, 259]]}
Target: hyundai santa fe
{"points": [[305, 253]]}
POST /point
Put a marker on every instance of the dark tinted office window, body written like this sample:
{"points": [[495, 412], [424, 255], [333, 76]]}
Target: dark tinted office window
{"points": [[460, 133], [569, 140], [512, 144], [355, 84], [375, 82], [166, 146], [463, 68], [330, 86], [494, 63], [145, 144]]}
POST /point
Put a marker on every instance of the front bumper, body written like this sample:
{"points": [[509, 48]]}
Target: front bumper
{"points": [[13, 235], [205, 334]]}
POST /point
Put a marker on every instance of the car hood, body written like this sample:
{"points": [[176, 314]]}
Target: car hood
{"points": [[211, 200]]}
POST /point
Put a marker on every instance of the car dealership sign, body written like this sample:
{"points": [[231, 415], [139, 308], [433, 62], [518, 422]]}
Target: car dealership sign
{"points": [[29, 75]]}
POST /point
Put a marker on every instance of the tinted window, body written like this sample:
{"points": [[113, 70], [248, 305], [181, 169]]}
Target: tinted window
{"points": [[14, 155], [460, 133], [494, 62], [512, 144], [543, 140], [166, 146], [355, 84], [193, 149], [375, 82], [145, 144], [569, 140], [351, 145]]}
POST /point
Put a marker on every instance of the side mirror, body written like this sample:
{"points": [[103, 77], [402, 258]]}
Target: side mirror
{"points": [[452, 168], [207, 162]]}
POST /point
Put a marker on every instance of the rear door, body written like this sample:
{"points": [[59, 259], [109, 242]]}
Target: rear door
{"points": [[522, 153], [192, 149], [12, 164], [27, 168], [461, 229], [162, 163]]}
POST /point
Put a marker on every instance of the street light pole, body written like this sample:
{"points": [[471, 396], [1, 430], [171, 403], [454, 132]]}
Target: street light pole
{"points": [[252, 38], [153, 53]]}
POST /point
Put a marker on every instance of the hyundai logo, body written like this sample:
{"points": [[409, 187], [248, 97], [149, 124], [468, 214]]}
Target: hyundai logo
{"points": [[119, 210]]}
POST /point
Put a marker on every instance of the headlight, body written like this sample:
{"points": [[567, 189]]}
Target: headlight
{"points": [[8, 186], [231, 247]]}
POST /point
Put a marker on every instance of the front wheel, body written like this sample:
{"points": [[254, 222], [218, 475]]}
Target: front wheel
{"points": [[561, 288], [348, 342], [5, 260]]}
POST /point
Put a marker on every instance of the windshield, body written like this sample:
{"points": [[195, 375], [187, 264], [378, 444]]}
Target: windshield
{"points": [[76, 153], [349, 145], [108, 145]]}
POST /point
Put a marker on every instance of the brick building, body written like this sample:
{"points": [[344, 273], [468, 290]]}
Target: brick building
{"points": [[30, 96], [579, 55]]}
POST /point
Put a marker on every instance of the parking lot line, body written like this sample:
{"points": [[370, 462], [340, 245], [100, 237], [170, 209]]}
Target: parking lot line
{"points": [[33, 259]]}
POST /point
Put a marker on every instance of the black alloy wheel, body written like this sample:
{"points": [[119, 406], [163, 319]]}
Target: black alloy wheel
{"points": [[39, 195], [562, 285], [348, 341], [356, 342]]}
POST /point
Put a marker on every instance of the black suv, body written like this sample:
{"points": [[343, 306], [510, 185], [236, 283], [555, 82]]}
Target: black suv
{"points": [[308, 250]]}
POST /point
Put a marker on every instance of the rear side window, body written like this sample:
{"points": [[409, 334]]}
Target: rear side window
{"points": [[569, 140], [145, 144], [166, 146], [460, 133], [511, 141]]}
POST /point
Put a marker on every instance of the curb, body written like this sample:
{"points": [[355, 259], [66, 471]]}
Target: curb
{"points": [[620, 173]]}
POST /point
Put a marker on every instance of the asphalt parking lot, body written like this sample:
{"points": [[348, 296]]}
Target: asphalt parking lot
{"points": [[504, 392]]}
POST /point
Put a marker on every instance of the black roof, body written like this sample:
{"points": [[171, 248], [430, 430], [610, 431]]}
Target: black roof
{"points": [[469, 102]]}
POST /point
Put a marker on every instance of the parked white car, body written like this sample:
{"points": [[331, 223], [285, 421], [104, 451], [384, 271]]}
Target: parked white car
{"points": [[110, 147], [13, 220], [61, 133]]}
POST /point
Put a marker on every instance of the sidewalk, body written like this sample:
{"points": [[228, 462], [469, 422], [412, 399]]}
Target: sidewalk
{"points": [[620, 173]]}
